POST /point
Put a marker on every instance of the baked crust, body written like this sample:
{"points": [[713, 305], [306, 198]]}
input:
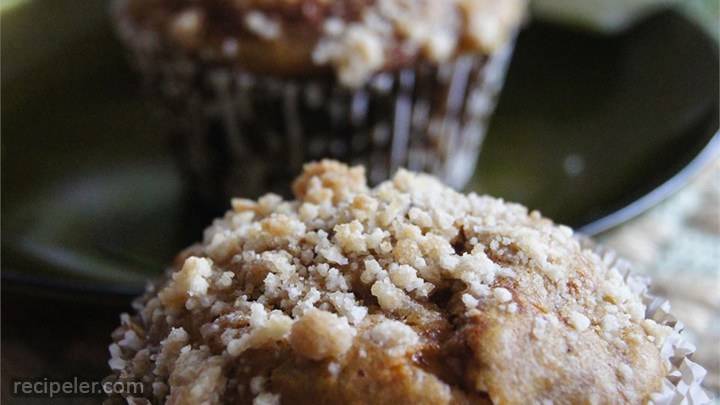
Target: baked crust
{"points": [[405, 293]]}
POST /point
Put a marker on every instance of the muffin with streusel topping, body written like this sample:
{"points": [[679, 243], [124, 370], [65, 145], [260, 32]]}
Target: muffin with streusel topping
{"points": [[408, 292], [254, 88]]}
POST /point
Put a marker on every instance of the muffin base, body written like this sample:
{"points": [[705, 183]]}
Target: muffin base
{"points": [[682, 384]]}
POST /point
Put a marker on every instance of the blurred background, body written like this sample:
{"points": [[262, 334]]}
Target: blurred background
{"points": [[608, 122]]}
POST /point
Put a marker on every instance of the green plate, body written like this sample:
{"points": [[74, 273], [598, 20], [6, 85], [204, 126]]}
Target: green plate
{"points": [[591, 130]]}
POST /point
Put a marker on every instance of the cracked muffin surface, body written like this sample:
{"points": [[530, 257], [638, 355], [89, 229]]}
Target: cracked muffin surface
{"points": [[408, 292]]}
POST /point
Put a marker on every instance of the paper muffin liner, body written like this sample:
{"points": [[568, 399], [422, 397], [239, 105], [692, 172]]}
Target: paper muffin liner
{"points": [[683, 383], [681, 386], [242, 134]]}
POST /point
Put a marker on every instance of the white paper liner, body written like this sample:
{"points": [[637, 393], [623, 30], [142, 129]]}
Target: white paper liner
{"points": [[683, 384], [244, 134]]}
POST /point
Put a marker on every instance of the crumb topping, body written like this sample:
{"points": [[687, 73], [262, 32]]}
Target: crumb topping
{"points": [[355, 38], [434, 29], [401, 270]]}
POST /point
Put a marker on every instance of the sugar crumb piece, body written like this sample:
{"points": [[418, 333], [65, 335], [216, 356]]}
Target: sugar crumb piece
{"points": [[393, 336], [656, 331], [264, 328], [373, 271], [356, 52], [319, 335], [186, 28], [470, 301], [116, 361], [282, 226], [329, 180], [502, 294], [363, 207], [240, 205], [225, 280], [262, 26], [578, 321], [267, 398], [350, 237], [268, 203], [389, 297], [334, 368], [257, 384], [405, 277], [191, 280], [333, 255], [347, 305], [625, 372], [309, 211]]}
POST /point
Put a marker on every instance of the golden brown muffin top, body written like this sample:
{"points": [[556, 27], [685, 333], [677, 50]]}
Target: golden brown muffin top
{"points": [[408, 292], [354, 37]]}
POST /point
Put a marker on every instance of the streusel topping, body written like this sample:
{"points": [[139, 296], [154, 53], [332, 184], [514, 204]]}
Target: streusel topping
{"points": [[355, 38], [409, 291]]}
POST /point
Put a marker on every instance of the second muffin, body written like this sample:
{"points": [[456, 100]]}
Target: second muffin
{"points": [[256, 87]]}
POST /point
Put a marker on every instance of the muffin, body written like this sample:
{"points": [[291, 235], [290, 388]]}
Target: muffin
{"points": [[254, 88], [408, 292]]}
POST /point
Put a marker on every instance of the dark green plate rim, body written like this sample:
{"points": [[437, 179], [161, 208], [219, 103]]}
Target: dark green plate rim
{"points": [[710, 152]]}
